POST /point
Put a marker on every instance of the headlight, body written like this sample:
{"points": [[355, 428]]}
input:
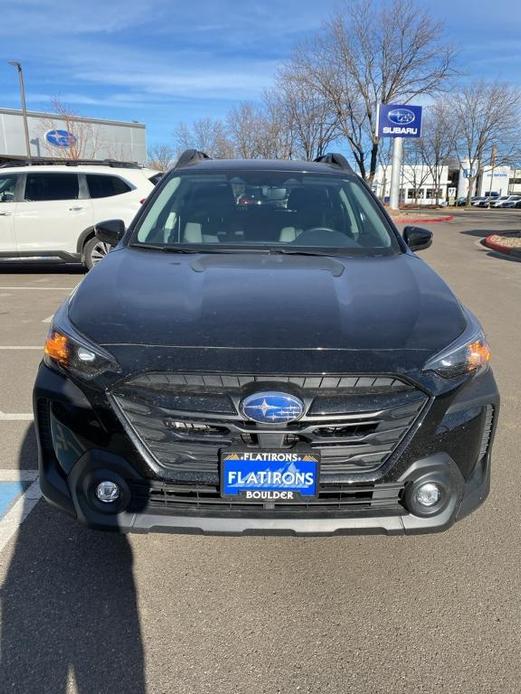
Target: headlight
{"points": [[69, 350], [469, 354]]}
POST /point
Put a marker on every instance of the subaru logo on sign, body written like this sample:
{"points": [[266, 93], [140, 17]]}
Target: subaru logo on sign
{"points": [[397, 120], [272, 407], [60, 138], [401, 116]]}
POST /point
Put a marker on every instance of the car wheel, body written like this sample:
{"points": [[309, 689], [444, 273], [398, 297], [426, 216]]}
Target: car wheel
{"points": [[94, 251]]}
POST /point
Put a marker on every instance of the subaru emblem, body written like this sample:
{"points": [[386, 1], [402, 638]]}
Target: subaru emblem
{"points": [[401, 116], [272, 407]]}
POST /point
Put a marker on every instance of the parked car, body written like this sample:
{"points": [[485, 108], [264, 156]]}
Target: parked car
{"points": [[265, 369], [462, 201], [508, 201], [50, 210], [499, 200]]}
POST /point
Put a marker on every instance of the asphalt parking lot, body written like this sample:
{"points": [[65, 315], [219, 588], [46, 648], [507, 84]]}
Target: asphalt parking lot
{"points": [[88, 612]]}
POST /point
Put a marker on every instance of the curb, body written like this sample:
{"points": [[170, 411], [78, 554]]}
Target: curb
{"points": [[499, 248], [426, 220]]}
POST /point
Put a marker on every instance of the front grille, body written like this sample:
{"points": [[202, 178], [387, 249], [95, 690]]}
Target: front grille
{"points": [[183, 421], [338, 499]]}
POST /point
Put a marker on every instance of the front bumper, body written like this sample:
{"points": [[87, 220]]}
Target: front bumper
{"points": [[71, 463]]}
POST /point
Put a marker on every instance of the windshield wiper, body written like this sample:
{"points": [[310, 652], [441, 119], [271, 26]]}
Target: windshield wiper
{"points": [[171, 249], [201, 249], [244, 249]]}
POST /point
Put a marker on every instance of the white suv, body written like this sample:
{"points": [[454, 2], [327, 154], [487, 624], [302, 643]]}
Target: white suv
{"points": [[50, 210]]}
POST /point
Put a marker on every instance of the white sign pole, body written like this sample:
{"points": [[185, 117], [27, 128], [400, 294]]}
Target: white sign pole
{"points": [[394, 200]]}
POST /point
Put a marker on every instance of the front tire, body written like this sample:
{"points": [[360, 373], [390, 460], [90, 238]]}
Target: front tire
{"points": [[94, 251]]}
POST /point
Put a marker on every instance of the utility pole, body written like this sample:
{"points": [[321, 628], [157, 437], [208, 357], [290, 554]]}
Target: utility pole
{"points": [[394, 198], [492, 167], [18, 67]]}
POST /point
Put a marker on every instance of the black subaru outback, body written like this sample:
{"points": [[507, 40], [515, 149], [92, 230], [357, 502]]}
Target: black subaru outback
{"points": [[262, 352]]}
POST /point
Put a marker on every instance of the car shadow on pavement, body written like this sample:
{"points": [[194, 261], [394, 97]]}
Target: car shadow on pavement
{"points": [[17, 268], [69, 610], [478, 233]]}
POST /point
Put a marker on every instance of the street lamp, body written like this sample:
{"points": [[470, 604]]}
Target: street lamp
{"points": [[18, 67]]}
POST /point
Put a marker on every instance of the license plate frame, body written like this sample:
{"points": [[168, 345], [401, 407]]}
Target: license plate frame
{"points": [[265, 488]]}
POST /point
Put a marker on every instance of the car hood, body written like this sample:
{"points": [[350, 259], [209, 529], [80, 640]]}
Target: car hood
{"points": [[376, 312]]}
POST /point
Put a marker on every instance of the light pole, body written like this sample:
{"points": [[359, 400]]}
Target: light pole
{"points": [[18, 67]]}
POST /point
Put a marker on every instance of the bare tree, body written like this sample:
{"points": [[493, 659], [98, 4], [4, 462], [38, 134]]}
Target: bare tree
{"points": [[84, 143], [307, 114], [485, 117], [277, 139], [368, 53], [206, 134], [436, 145], [161, 157], [261, 130], [414, 170], [245, 123], [384, 165]]}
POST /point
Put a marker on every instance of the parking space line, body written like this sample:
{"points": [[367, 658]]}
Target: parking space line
{"points": [[24, 502], [43, 289], [17, 347], [48, 320], [16, 416]]}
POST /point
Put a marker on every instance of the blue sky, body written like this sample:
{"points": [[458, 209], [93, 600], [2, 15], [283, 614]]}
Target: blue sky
{"points": [[162, 62]]}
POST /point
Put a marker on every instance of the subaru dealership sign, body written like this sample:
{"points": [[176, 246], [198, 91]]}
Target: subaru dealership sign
{"points": [[399, 121], [60, 138]]}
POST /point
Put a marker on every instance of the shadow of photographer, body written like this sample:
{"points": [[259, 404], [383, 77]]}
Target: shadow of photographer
{"points": [[69, 609]]}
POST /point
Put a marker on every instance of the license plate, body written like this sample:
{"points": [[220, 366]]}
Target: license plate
{"points": [[265, 476]]}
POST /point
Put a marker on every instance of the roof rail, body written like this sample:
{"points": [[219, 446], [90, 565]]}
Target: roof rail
{"points": [[45, 161], [334, 159], [190, 156]]}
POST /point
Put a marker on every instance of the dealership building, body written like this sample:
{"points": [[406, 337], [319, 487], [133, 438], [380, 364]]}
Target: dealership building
{"points": [[65, 136], [424, 185]]}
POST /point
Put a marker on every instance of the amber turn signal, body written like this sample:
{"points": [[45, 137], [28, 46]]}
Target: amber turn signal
{"points": [[478, 355], [57, 347]]}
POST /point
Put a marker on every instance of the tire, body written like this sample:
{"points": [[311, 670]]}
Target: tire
{"points": [[94, 251]]}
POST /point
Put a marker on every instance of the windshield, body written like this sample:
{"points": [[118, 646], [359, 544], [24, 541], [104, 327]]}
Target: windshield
{"points": [[276, 210]]}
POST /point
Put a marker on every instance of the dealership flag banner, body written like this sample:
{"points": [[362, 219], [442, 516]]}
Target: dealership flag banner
{"points": [[395, 120]]}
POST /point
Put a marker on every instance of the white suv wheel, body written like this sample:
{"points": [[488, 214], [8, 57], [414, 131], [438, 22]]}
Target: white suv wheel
{"points": [[95, 250]]}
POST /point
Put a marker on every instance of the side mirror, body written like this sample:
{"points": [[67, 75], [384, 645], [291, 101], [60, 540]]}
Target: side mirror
{"points": [[110, 231], [417, 238]]}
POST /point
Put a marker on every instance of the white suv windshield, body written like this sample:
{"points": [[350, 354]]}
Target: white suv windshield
{"points": [[266, 209]]}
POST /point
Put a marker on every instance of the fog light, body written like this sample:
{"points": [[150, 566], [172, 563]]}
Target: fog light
{"points": [[107, 491], [428, 494]]}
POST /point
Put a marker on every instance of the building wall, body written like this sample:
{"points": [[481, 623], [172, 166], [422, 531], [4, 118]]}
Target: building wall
{"points": [[416, 184], [499, 180], [502, 180], [96, 139]]}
